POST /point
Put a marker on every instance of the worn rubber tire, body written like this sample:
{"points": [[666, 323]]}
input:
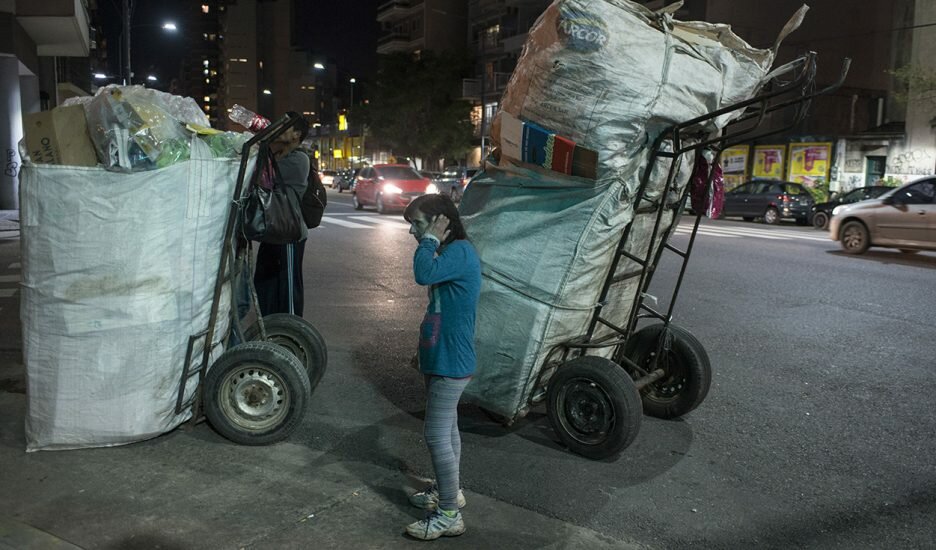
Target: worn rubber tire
{"points": [[854, 237], [381, 207], [355, 202], [299, 337], [594, 407], [689, 371], [241, 387], [820, 220], [771, 216]]}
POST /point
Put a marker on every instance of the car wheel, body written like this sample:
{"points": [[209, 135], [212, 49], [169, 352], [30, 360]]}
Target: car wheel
{"points": [[688, 370], [355, 202], [908, 250], [256, 393], [820, 220], [381, 207], [593, 406], [771, 216], [747, 218], [855, 238], [299, 337]]}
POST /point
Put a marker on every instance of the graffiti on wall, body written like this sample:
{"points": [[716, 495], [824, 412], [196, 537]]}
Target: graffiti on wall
{"points": [[918, 162], [12, 167]]}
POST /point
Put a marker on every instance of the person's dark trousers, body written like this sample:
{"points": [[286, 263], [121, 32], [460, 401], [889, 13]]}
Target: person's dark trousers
{"points": [[271, 277]]}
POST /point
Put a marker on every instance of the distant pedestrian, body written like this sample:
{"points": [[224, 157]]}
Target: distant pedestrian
{"points": [[447, 263], [278, 274]]}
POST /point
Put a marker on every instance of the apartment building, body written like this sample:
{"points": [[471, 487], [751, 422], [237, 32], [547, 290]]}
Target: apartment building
{"points": [[44, 49], [421, 25]]}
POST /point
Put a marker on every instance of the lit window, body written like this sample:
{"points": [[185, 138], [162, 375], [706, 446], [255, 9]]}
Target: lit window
{"points": [[205, 62], [205, 35], [207, 99], [214, 72], [261, 64], [204, 8], [207, 81], [243, 60], [205, 72]]}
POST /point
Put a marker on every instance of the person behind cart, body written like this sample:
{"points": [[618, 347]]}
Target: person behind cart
{"points": [[447, 263], [278, 274]]}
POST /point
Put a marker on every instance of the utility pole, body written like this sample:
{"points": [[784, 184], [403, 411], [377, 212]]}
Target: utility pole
{"points": [[126, 41]]}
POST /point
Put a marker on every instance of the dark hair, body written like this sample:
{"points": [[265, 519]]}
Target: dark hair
{"points": [[301, 126], [431, 206]]}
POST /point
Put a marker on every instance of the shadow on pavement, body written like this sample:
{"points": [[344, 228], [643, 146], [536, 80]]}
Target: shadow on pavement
{"points": [[891, 257]]}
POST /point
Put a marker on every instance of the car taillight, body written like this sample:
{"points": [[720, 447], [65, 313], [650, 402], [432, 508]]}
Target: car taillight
{"points": [[784, 198]]}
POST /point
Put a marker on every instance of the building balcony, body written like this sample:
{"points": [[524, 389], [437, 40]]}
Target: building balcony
{"points": [[57, 27], [393, 42], [393, 10], [493, 88]]}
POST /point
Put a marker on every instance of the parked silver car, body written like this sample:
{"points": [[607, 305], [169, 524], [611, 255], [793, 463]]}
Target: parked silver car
{"points": [[904, 218]]}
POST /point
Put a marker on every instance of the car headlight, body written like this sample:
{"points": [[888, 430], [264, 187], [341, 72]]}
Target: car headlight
{"points": [[431, 188], [391, 189], [838, 209]]}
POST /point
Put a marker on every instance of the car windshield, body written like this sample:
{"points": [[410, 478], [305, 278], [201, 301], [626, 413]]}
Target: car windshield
{"points": [[398, 173], [854, 195]]}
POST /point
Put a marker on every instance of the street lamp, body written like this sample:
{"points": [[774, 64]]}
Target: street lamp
{"points": [[151, 78], [100, 76], [351, 103], [170, 26], [318, 67]]}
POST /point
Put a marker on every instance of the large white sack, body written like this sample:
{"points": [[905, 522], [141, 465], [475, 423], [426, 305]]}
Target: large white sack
{"points": [[611, 75], [118, 271]]}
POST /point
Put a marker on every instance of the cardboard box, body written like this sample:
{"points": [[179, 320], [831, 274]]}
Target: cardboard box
{"points": [[59, 136]]}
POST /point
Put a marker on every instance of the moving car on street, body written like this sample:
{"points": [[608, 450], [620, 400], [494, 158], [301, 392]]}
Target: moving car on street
{"points": [[822, 212], [769, 200], [454, 180], [389, 187], [904, 218], [345, 179], [328, 178]]}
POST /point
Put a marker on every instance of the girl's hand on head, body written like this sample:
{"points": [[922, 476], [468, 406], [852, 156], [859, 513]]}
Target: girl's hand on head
{"points": [[439, 228]]}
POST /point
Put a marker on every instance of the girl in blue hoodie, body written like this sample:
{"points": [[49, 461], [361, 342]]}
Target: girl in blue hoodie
{"points": [[446, 263]]}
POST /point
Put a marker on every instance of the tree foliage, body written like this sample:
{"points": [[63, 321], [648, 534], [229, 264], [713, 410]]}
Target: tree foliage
{"points": [[915, 83], [414, 109]]}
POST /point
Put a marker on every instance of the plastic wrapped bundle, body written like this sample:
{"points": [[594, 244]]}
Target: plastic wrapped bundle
{"points": [[603, 76]]}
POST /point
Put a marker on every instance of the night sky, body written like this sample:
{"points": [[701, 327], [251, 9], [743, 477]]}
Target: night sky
{"points": [[344, 31]]}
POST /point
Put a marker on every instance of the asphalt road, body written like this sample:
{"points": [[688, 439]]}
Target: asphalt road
{"points": [[817, 432]]}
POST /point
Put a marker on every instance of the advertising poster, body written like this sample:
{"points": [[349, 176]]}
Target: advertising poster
{"points": [[768, 161], [734, 162], [810, 163]]}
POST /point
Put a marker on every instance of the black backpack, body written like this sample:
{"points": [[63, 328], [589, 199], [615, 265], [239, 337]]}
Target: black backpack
{"points": [[313, 200]]}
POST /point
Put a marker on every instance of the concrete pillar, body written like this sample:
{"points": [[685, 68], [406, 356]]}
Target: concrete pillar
{"points": [[11, 131]]}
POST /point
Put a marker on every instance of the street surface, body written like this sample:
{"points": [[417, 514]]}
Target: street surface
{"points": [[817, 432]]}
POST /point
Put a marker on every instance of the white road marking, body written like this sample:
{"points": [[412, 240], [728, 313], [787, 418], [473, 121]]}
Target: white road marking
{"points": [[328, 220], [382, 221], [682, 231]]}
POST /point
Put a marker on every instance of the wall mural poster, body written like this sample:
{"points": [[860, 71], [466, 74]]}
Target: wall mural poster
{"points": [[768, 161], [810, 163], [734, 162]]}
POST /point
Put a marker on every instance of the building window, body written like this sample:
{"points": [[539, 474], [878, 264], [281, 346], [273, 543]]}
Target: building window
{"points": [[205, 8]]}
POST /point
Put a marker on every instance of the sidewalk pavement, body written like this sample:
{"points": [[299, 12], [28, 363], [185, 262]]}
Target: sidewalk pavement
{"points": [[191, 488]]}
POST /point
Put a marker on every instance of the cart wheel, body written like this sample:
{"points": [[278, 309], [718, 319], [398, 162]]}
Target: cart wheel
{"points": [[299, 337], [256, 393], [688, 370], [593, 406]]}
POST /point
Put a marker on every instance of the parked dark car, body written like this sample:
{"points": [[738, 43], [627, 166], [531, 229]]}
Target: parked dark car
{"points": [[769, 200], [822, 212], [454, 180]]}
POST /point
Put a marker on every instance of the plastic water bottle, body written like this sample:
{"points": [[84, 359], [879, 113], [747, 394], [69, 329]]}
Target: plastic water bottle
{"points": [[248, 119]]}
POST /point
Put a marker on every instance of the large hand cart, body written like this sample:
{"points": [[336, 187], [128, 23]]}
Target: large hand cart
{"points": [[257, 391], [597, 386]]}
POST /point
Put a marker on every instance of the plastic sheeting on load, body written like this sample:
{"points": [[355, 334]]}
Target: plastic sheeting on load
{"points": [[118, 272], [610, 75]]}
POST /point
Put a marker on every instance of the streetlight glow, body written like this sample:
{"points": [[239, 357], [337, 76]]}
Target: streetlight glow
{"points": [[319, 66], [170, 26], [353, 80], [100, 76], [267, 91], [151, 78]]}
